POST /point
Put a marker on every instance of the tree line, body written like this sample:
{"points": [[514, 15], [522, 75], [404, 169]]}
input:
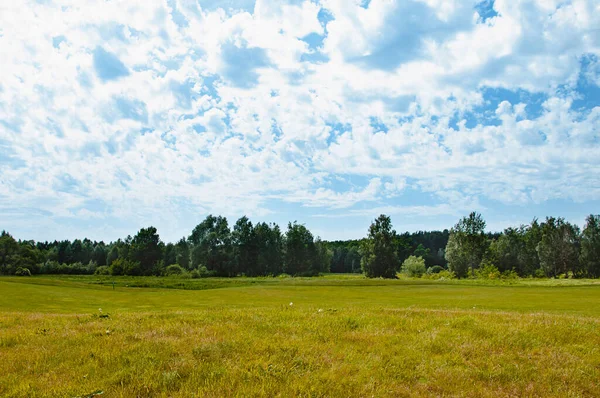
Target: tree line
{"points": [[212, 249], [551, 248]]}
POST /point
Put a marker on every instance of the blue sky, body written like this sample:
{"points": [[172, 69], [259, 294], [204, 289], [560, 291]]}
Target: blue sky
{"points": [[117, 116]]}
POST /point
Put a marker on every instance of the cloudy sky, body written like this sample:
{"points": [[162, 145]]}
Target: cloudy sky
{"points": [[117, 115]]}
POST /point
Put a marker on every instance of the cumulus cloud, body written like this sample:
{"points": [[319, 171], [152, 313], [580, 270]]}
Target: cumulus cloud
{"points": [[174, 109]]}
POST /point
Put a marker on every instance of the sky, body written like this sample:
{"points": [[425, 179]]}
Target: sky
{"points": [[118, 115]]}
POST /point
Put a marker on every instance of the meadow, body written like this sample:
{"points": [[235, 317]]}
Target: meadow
{"points": [[80, 336]]}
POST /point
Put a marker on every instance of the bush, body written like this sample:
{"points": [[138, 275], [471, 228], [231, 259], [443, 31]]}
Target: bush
{"points": [[512, 274], [121, 266], [205, 273], [53, 267], [102, 270], [487, 271], [174, 269], [539, 273], [22, 272], [436, 269], [195, 274], [414, 267], [442, 275]]}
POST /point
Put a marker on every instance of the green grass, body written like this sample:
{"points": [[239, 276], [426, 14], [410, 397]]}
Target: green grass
{"points": [[343, 336]]}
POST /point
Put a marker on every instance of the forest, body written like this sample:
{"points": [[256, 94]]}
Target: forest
{"points": [[551, 248]]}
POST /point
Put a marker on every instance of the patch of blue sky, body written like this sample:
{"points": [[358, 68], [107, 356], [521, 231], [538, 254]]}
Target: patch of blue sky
{"points": [[176, 15], [337, 129], [57, 40], [588, 88], [241, 64], [377, 124], [497, 213], [399, 104], [485, 114], [108, 66], [133, 109], [325, 16], [169, 139], [185, 92], [401, 43], [314, 57], [276, 131], [486, 10], [314, 40], [198, 128], [231, 6], [365, 3]]}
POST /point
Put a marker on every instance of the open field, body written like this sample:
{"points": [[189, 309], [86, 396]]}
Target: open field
{"points": [[343, 336]]}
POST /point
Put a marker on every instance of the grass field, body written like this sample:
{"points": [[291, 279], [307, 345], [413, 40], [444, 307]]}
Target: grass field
{"points": [[342, 336]]}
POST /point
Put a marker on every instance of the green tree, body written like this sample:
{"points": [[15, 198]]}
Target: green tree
{"points": [[146, 249], [299, 250], [182, 253], [323, 255], [269, 242], [466, 245], [211, 240], [379, 257], [112, 255], [170, 256], [558, 249], [9, 250], [590, 246], [99, 254], [414, 267], [245, 247]]}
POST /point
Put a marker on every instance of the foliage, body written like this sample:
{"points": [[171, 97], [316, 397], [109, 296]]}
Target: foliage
{"points": [[123, 266], [558, 249], [590, 246], [300, 251], [22, 272], [174, 269], [487, 271], [379, 257], [146, 250], [442, 275], [102, 270], [211, 246], [466, 245], [414, 267], [436, 269]]}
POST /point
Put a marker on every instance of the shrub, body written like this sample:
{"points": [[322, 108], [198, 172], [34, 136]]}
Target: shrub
{"points": [[414, 267], [22, 272], [442, 275], [102, 270], [487, 271], [195, 274], [436, 269], [174, 269], [121, 266], [539, 273], [512, 274], [205, 273]]}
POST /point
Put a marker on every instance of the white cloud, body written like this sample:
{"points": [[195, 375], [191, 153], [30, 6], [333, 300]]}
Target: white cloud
{"points": [[193, 127]]}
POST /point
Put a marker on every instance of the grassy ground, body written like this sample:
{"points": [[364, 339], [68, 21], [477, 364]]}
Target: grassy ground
{"points": [[343, 336]]}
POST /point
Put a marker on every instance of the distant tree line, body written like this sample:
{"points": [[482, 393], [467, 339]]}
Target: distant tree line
{"points": [[552, 248], [212, 249]]}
